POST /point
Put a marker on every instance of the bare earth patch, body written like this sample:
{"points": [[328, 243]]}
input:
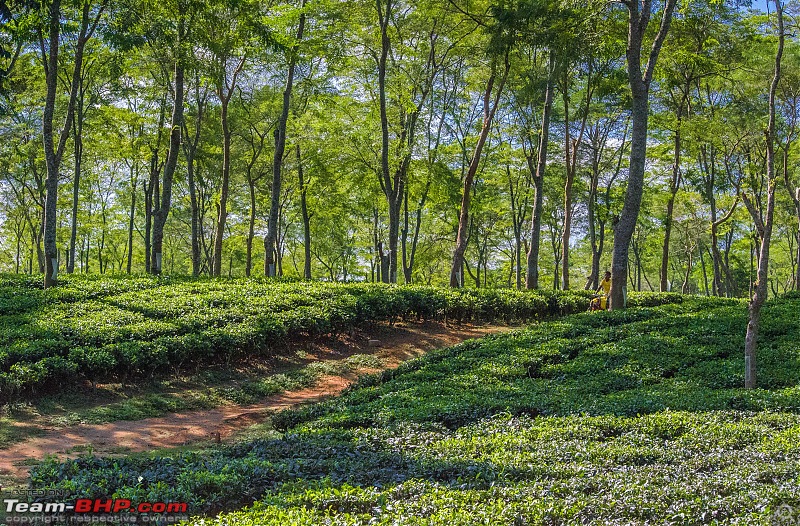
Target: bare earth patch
{"points": [[394, 345]]}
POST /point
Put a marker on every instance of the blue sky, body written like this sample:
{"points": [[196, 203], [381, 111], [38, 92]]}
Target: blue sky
{"points": [[762, 4]]}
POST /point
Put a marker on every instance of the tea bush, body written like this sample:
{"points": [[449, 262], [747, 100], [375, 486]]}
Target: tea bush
{"points": [[631, 417], [104, 328]]}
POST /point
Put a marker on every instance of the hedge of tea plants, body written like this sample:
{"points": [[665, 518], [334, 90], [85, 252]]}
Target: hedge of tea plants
{"points": [[126, 328], [631, 417]]}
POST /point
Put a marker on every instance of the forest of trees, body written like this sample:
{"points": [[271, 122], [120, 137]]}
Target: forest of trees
{"points": [[463, 142]]}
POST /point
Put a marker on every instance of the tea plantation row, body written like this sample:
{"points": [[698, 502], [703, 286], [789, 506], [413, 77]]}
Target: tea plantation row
{"points": [[99, 329], [633, 417]]}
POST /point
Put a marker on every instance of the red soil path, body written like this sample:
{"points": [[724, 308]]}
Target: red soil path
{"points": [[397, 344]]}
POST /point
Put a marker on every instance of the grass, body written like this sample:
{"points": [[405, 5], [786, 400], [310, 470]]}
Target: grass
{"points": [[633, 417]]}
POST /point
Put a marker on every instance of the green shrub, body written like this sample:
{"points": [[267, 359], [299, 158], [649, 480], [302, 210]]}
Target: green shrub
{"points": [[631, 417], [128, 327]]}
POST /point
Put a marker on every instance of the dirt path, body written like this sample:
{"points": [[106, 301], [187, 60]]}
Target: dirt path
{"points": [[396, 344]]}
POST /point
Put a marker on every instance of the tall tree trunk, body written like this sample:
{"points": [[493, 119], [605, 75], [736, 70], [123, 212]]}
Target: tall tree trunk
{"points": [[148, 217], [794, 193], [224, 92], [305, 215], [78, 157], [162, 211], [102, 245], [55, 152], [797, 256], [131, 217], [404, 239], [489, 109], [532, 271], [717, 287], [193, 204], [569, 179], [674, 185], [392, 189], [51, 182], [222, 216], [190, 152], [270, 268], [764, 228], [639, 82]]}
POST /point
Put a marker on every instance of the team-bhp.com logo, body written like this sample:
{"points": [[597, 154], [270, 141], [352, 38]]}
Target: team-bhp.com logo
{"points": [[112, 510]]}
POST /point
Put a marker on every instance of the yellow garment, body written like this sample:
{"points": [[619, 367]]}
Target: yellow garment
{"points": [[606, 286]]}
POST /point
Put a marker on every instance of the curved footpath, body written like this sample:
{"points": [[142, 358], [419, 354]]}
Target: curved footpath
{"points": [[397, 344]]}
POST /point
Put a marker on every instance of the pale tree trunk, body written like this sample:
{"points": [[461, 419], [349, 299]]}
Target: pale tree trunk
{"points": [[717, 287], [797, 255], [519, 204], [55, 152], [270, 268], [489, 109], [190, 146], [393, 185], [763, 227], [569, 180], [639, 82], [408, 267], [674, 186], [532, 271], [571, 162], [794, 194], [224, 92]]}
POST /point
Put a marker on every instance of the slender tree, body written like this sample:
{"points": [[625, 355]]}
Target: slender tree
{"points": [[763, 219], [489, 109], [639, 12], [176, 124], [270, 266], [537, 172], [54, 151]]}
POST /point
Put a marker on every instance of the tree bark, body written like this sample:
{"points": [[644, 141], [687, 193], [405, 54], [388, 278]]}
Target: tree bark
{"points": [[78, 157], [222, 215], [640, 88], [190, 152], [569, 179], [131, 216], [305, 215], [794, 194], [55, 152], [224, 92], [489, 109], [393, 189], [162, 211], [674, 185], [532, 271], [764, 228], [270, 268]]}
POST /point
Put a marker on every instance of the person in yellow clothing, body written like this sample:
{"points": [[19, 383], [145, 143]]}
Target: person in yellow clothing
{"points": [[605, 286]]}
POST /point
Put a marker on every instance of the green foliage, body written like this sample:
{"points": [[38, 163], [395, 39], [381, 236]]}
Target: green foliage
{"points": [[621, 417], [100, 328]]}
